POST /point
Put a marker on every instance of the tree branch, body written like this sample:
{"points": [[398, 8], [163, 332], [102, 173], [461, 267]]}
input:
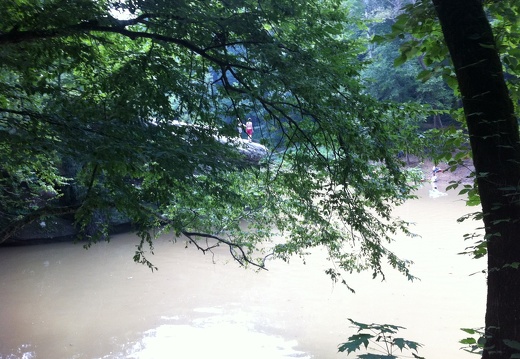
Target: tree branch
{"points": [[240, 257], [119, 27]]}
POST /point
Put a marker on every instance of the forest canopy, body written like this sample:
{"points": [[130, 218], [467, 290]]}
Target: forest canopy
{"points": [[93, 93]]}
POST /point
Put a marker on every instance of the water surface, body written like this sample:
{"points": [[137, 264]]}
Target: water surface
{"points": [[61, 301]]}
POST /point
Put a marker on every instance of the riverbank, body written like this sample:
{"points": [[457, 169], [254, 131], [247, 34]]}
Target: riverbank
{"points": [[461, 174], [54, 230], [61, 230]]}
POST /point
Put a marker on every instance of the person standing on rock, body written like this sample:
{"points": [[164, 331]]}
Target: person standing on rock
{"points": [[239, 128], [249, 129]]}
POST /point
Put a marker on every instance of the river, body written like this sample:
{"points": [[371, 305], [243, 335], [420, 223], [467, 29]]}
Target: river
{"points": [[62, 301]]}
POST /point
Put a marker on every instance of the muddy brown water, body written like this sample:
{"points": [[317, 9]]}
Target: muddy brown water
{"points": [[62, 301]]}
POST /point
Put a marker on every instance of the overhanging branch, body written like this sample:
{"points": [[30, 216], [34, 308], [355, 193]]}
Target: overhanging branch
{"points": [[241, 257], [118, 27]]}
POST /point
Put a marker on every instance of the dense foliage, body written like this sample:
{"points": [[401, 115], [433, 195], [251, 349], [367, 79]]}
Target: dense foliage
{"points": [[118, 109]]}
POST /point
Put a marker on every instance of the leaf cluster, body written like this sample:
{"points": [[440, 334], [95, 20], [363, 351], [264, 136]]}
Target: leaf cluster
{"points": [[131, 117], [380, 335]]}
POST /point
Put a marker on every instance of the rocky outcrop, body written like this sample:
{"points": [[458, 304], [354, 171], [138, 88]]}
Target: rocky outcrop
{"points": [[56, 228], [253, 152]]}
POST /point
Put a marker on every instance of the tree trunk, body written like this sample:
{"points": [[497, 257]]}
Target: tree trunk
{"points": [[494, 138], [437, 122]]}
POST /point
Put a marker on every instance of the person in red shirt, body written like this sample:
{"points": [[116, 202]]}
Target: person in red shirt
{"points": [[249, 129]]}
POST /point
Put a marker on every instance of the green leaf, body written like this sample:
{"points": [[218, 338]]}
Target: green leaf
{"points": [[451, 81], [406, 344], [468, 341], [473, 199], [400, 60], [355, 342], [425, 75], [469, 330]]}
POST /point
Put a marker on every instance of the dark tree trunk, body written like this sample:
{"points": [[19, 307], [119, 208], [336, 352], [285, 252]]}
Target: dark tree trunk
{"points": [[494, 138], [437, 122]]}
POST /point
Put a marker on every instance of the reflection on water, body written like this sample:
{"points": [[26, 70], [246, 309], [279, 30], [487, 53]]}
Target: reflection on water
{"points": [[205, 337], [24, 352], [434, 190], [60, 301]]}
